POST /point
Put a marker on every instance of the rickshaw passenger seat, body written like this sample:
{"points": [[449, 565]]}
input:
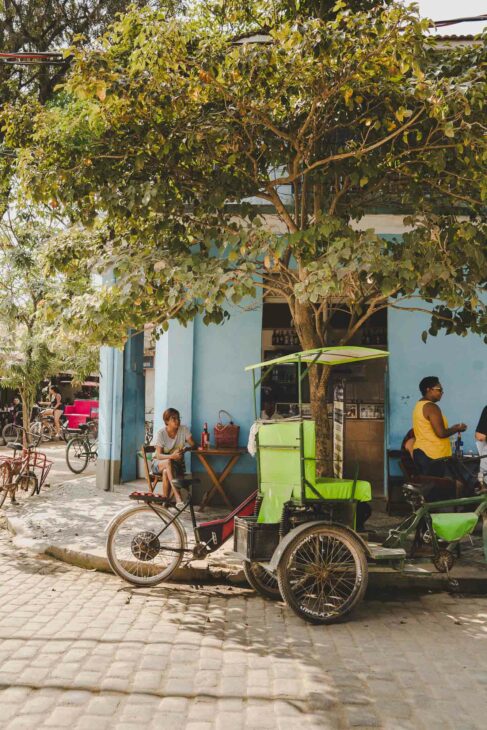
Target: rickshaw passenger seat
{"points": [[280, 470]]}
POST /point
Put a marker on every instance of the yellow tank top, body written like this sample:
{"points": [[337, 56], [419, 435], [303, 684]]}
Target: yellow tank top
{"points": [[426, 439]]}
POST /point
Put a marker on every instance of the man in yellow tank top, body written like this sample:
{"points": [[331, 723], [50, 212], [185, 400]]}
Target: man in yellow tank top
{"points": [[431, 430]]}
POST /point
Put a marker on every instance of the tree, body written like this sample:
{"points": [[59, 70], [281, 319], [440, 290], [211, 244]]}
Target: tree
{"points": [[30, 349], [204, 167], [39, 26]]}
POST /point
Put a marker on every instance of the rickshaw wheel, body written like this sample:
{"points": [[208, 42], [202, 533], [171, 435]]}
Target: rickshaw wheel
{"points": [[262, 581], [323, 574]]}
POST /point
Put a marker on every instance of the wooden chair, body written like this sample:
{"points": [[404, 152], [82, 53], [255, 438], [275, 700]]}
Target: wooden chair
{"points": [[152, 479], [436, 484]]}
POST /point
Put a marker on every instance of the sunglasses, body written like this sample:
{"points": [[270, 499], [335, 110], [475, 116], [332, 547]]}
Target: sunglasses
{"points": [[438, 388]]}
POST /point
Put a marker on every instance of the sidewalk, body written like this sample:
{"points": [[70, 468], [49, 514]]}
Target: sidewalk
{"points": [[68, 520]]}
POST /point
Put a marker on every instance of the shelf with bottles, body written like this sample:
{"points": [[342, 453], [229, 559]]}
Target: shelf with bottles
{"points": [[285, 339], [374, 337]]}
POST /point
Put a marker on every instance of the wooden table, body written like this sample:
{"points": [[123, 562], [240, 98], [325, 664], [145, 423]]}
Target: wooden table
{"points": [[204, 455]]}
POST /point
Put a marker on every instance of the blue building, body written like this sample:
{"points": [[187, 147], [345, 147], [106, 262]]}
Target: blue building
{"points": [[199, 370]]}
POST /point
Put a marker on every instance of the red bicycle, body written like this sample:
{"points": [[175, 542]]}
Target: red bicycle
{"points": [[23, 474]]}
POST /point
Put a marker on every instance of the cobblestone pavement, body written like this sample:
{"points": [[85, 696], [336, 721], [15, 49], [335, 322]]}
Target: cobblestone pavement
{"points": [[82, 650]]}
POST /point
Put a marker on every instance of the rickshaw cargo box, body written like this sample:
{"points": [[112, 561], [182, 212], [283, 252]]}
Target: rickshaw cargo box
{"points": [[253, 540], [226, 434]]}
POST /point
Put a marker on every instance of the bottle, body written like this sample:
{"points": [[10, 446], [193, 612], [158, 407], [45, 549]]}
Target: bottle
{"points": [[274, 338], [459, 446], [205, 436]]}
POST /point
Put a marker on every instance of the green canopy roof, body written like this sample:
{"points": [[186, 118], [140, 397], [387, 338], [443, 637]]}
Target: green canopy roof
{"points": [[326, 356]]}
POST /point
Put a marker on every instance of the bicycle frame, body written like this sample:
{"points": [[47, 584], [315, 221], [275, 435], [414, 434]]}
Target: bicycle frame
{"points": [[209, 536], [397, 537]]}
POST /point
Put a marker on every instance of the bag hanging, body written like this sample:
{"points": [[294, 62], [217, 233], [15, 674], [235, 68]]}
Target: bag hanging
{"points": [[226, 434]]}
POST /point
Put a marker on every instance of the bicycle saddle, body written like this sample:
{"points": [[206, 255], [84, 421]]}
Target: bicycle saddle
{"points": [[412, 493], [16, 446]]}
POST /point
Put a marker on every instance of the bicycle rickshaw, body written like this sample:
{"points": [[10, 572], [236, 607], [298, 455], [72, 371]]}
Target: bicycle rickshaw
{"points": [[297, 536]]}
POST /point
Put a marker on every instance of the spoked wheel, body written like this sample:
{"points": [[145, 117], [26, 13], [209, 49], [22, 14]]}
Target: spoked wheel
{"points": [[77, 455], [25, 486], [323, 574], [443, 561], [42, 431], [262, 581], [5, 481], [11, 433], [143, 548]]}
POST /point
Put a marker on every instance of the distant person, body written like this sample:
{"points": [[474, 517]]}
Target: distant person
{"points": [[481, 441], [17, 410], [431, 431], [171, 441], [56, 408]]}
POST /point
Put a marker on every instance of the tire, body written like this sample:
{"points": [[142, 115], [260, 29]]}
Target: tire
{"points": [[323, 574], [133, 530], [42, 431], [25, 486], [77, 455], [262, 581], [5, 481], [11, 433]]}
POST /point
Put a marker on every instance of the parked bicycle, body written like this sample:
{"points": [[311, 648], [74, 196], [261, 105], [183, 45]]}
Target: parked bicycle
{"points": [[23, 474], [147, 542], [83, 448], [11, 417]]}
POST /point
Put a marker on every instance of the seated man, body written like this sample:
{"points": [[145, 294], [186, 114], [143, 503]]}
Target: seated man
{"points": [[171, 441]]}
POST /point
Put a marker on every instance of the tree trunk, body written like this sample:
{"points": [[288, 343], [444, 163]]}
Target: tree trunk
{"points": [[27, 404], [310, 338]]}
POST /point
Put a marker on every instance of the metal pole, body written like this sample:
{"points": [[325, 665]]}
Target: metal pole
{"points": [[255, 395]]}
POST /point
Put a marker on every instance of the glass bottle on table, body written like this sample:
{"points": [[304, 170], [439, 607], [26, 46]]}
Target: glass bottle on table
{"points": [[205, 437], [459, 446]]}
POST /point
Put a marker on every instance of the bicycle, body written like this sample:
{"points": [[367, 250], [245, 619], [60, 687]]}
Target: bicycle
{"points": [[44, 430], [440, 531], [23, 476], [83, 448], [10, 429], [147, 542]]}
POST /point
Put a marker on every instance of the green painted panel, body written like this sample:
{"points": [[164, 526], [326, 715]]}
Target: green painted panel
{"points": [[274, 498], [341, 489]]}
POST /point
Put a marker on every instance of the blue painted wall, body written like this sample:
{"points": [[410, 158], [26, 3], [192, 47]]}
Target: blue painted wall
{"points": [[459, 362], [221, 353]]}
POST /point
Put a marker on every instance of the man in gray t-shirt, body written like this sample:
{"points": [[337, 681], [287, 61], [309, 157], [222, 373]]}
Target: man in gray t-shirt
{"points": [[171, 441]]}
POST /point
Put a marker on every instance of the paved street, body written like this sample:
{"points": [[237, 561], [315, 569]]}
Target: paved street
{"points": [[82, 650]]}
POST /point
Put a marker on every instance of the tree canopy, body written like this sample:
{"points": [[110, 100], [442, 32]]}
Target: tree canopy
{"points": [[30, 349], [200, 161]]}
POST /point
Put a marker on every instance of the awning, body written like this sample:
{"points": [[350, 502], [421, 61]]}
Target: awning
{"points": [[325, 356]]}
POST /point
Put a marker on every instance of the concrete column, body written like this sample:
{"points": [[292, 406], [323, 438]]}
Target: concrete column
{"points": [[110, 418], [173, 373]]}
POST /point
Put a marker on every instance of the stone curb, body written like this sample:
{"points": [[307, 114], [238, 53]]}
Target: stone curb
{"points": [[203, 572]]}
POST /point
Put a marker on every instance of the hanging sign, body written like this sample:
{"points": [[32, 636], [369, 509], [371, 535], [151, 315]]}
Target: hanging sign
{"points": [[338, 428]]}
